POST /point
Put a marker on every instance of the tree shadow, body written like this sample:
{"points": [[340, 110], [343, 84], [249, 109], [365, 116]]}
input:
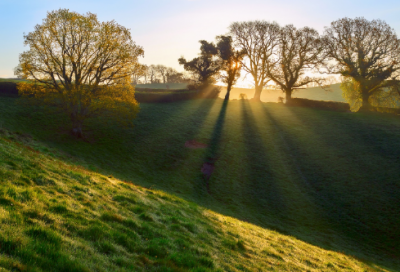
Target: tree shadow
{"points": [[211, 155], [362, 216]]}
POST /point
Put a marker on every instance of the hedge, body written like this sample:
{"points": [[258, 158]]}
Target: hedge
{"points": [[8, 89], [318, 104]]}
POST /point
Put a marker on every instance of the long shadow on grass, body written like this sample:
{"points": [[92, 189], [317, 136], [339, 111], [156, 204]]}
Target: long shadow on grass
{"points": [[360, 229], [166, 153], [213, 152], [261, 182], [373, 156]]}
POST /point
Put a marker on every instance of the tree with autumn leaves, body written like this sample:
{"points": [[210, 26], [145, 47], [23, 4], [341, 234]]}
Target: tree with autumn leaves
{"points": [[82, 65]]}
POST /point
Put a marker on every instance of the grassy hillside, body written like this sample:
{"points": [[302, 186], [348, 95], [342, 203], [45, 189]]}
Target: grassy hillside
{"points": [[61, 217], [328, 179]]}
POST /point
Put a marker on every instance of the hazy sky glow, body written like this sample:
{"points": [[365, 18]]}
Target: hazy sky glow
{"points": [[168, 29]]}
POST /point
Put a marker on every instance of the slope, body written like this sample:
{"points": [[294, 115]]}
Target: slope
{"points": [[57, 216], [329, 179]]}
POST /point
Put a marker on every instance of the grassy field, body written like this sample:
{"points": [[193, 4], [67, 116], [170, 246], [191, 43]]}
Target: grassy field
{"points": [[10, 80], [61, 217], [271, 95], [328, 180]]}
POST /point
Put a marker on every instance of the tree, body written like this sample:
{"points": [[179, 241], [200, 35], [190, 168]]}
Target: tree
{"points": [[230, 62], [82, 65], [206, 66], [367, 52], [152, 73], [138, 71], [162, 71], [298, 51], [174, 76], [258, 39]]}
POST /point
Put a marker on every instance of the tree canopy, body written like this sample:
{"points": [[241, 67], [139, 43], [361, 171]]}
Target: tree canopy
{"points": [[365, 51], [231, 62], [82, 64], [206, 66], [258, 39], [298, 51]]}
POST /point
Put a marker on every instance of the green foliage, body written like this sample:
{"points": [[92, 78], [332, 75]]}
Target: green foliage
{"points": [[385, 97], [85, 73], [231, 60], [206, 66]]}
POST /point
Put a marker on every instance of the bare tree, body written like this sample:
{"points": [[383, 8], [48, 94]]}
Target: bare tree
{"points": [[162, 71], [152, 73], [138, 71], [365, 51], [258, 39], [298, 51], [173, 76]]}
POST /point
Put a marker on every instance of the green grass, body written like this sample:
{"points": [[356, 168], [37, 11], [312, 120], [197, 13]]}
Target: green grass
{"points": [[10, 80], [271, 95], [306, 184]]}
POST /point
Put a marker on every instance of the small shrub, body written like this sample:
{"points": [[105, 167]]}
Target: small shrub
{"points": [[242, 96]]}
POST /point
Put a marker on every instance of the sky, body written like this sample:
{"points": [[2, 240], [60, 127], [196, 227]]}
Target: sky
{"points": [[169, 29]]}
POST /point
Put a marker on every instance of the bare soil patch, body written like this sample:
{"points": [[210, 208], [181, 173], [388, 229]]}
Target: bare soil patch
{"points": [[195, 144]]}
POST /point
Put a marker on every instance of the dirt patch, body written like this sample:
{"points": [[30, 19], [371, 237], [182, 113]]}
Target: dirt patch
{"points": [[194, 144]]}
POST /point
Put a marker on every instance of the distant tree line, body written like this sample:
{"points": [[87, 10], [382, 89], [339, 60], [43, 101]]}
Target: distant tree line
{"points": [[365, 54], [147, 74]]}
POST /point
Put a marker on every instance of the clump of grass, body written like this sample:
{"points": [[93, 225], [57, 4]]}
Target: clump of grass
{"points": [[124, 199], [146, 217], [59, 208], [111, 217]]}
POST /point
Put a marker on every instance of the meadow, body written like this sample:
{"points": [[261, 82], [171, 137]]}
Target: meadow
{"points": [[327, 182], [268, 95]]}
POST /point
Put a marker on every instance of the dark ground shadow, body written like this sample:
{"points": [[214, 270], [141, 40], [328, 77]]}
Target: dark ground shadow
{"points": [[371, 232]]}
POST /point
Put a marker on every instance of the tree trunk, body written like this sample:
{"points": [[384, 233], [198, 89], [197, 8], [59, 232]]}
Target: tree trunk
{"points": [[228, 91], [288, 95], [257, 94], [365, 106]]}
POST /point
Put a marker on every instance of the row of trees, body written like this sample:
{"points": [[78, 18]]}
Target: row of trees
{"points": [[159, 74], [364, 53], [87, 67]]}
